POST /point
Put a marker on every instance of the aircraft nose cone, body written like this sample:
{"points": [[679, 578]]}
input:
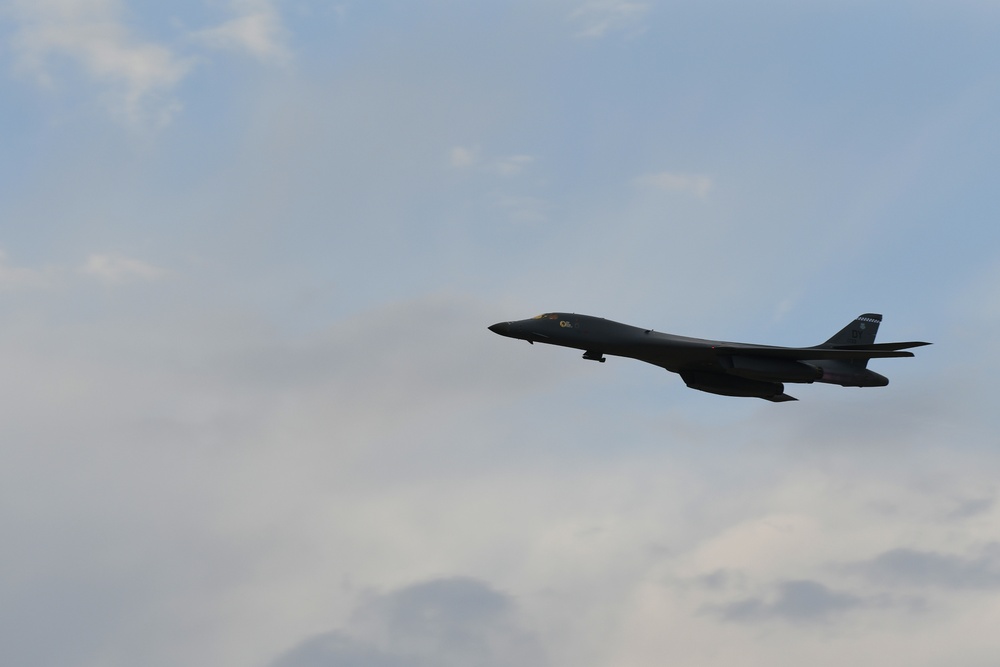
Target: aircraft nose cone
{"points": [[502, 328]]}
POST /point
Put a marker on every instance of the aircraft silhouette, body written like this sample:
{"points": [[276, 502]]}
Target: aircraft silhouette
{"points": [[719, 367]]}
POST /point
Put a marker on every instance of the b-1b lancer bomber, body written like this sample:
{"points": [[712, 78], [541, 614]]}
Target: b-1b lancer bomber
{"points": [[718, 367]]}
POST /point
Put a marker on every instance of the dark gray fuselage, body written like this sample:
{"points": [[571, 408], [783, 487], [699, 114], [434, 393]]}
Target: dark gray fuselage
{"points": [[734, 369]]}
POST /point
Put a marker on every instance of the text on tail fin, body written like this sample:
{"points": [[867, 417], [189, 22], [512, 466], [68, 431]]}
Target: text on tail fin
{"points": [[861, 331]]}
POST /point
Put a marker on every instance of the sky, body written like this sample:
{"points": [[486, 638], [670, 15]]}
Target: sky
{"points": [[252, 414]]}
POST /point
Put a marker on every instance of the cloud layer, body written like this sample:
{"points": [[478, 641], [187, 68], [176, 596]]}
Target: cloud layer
{"points": [[136, 76], [253, 414]]}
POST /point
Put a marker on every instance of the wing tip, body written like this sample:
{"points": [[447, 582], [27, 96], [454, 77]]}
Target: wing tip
{"points": [[881, 346]]}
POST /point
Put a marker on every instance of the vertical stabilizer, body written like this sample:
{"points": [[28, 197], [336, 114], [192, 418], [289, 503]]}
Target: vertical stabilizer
{"points": [[859, 332]]}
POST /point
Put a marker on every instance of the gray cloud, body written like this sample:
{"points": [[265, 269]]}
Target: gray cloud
{"points": [[334, 649], [930, 568], [721, 579], [798, 600], [972, 507], [451, 621]]}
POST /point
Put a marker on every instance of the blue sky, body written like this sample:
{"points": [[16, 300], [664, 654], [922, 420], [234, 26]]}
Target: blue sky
{"points": [[253, 415]]}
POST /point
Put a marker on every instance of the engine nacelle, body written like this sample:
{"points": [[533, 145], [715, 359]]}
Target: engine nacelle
{"points": [[849, 375], [731, 385], [769, 369]]}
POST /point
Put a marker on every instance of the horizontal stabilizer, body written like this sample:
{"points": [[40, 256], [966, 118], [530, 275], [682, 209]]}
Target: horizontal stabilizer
{"points": [[811, 353], [882, 346]]}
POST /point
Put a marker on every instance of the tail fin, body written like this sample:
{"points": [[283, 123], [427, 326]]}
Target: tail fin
{"points": [[859, 332]]}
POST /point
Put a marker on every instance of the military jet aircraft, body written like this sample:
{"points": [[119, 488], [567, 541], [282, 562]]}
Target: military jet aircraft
{"points": [[718, 367]]}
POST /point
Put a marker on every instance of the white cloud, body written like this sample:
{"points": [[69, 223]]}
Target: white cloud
{"points": [[467, 157], [514, 164], [463, 157], [694, 184], [137, 75], [600, 17], [116, 269], [257, 30]]}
